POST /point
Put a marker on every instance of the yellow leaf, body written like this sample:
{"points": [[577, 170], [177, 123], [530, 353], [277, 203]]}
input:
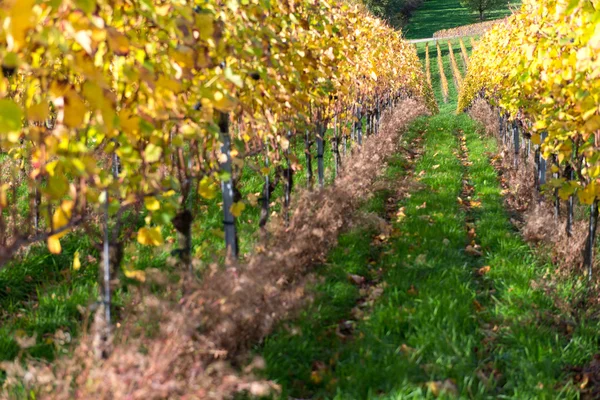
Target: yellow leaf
{"points": [[118, 42], [594, 171], [22, 19], [205, 25], [4, 195], [136, 274], [150, 236], [62, 217], [152, 153], [169, 84], [38, 112], [151, 203], [237, 208], [207, 188], [223, 102], [588, 194], [76, 262], [54, 245], [74, 110], [592, 124], [129, 122]]}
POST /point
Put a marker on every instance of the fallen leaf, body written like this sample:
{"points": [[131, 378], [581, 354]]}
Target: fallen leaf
{"points": [[356, 279], [422, 206], [584, 381], [473, 251], [412, 291], [478, 306], [484, 270], [439, 387]]}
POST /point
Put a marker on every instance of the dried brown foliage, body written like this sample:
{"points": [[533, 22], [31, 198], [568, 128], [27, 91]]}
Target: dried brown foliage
{"points": [[533, 212], [199, 336]]}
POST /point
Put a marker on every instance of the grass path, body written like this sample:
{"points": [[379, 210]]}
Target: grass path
{"points": [[451, 321], [464, 308]]}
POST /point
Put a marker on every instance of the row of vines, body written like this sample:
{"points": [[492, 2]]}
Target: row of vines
{"points": [[541, 69], [112, 109]]}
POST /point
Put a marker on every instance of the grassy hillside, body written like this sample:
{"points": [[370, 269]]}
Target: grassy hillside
{"points": [[434, 15]]}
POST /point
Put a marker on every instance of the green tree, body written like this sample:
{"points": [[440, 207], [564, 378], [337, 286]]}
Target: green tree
{"points": [[396, 12], [481, 6]]}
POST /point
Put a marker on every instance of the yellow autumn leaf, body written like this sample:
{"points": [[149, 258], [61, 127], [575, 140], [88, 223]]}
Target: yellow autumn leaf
{"points": [[207, 188], [237, 208], [38, 112], [22, 19], [205, 24], [152, 204], [54, 245], [223, 102], [61, 217], [4, 195], [594, 171], [588, 194], [150, 236], [152, 153], [593, 124], [76, 262], [136, 274], [75, 110], [129, 122], [118, 42]]}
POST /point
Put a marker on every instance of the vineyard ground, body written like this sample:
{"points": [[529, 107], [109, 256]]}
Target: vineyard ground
{"points": [[448, 320], [435, 15], [41, 295], [415, 311]]}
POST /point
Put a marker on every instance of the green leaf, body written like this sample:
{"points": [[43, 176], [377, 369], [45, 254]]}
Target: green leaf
{"points": [[10, 116], [152, 153]]}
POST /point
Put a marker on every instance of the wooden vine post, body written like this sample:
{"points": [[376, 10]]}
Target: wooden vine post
{"points": [[288, 184], [516, 143], [542, 164], [231, 241], [307, 153], [321, 129], [359, 124], [588, 257]]}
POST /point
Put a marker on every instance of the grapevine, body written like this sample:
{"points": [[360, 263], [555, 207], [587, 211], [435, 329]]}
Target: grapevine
{"points": [[443, 79], [541, 67], [455, 71], [427, 64], [465, 53], [114, 107]]}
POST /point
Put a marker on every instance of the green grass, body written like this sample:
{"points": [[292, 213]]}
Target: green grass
{"points": [[500, 335], [435, 15], [426, 325], [531, 349], [41, 294]]}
